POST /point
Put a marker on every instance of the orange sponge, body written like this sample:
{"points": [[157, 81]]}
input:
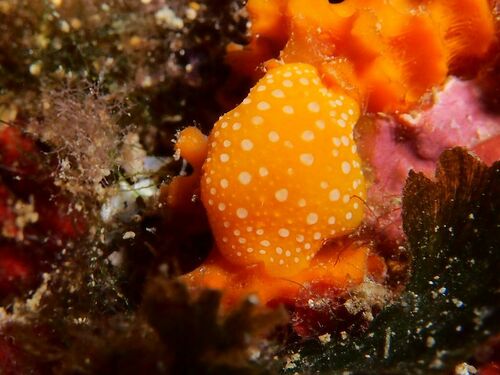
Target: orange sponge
{"points": [[385, 54]]}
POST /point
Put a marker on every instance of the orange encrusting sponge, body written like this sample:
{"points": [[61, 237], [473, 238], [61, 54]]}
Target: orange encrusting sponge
{"points": [[386, 54], [338, 266], [192, 146], [283, 173]]}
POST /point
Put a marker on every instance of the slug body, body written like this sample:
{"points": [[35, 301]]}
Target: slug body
{"points": [[282, 172]]}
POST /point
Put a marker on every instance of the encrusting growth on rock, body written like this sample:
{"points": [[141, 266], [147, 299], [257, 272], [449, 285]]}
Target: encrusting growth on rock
{"points": [[386, 54]]}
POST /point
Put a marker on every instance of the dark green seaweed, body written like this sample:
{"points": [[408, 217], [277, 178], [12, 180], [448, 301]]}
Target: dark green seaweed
{"points": [[451, 303]]}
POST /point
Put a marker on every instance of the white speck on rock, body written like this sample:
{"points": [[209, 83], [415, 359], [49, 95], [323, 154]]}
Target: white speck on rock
{"points": [[128, 235], [167, 18]]}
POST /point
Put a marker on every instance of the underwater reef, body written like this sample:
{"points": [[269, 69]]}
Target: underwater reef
{"points": [[249, 187]]}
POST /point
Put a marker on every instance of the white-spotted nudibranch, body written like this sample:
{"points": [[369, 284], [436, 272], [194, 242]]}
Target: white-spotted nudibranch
{"points": [[283, 173]]}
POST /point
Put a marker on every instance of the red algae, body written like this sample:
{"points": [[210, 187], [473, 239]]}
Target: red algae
{"points": [[394, 145], [32, 211]]}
